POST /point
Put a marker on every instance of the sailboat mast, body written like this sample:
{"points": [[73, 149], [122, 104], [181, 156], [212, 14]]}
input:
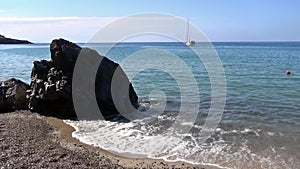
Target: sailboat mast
{"points": [[189, 42], [188, 30]]}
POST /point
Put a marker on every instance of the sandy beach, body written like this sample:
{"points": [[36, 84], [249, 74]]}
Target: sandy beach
{"points": [[29, 140]]}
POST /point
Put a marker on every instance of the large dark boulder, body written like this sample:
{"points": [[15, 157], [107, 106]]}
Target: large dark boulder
{"points": [[13, 95], [51, 85]]}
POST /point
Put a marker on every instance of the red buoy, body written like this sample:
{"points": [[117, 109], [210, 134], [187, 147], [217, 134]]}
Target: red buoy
{"points": [[288, 72]]}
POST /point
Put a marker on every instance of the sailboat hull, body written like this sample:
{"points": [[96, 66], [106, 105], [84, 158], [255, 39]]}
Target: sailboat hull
{"points": [[190, 43]]}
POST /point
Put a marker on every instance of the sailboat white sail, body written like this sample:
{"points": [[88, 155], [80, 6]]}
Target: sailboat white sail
{"points": [[189, 42]]}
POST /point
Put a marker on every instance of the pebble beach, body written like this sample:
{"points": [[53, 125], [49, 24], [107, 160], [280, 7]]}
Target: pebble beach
{"points": [[29, 140]]}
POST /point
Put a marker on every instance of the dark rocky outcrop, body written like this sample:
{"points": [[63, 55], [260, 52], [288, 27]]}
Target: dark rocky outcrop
{"points": [[50, 90], [51, 85], [13, 95], [4, 40]]}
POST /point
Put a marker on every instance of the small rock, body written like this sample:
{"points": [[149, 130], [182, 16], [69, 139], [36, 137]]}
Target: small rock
{"points": [[13, 95]]}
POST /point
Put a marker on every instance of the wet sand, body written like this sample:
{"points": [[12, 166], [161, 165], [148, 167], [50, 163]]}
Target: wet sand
{"points": [[29, 140]]}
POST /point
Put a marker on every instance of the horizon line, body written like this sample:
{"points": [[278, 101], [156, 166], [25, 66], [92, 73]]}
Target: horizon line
{"points": [[264, 41]]}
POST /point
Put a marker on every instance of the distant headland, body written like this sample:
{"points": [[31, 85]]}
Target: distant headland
{"points": [[4, 40]]}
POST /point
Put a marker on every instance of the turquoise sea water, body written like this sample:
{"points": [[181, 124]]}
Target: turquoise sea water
{"points": [[260, 126]]}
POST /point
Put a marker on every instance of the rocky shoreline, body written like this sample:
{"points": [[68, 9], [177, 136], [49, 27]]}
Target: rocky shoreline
{"points": [[32, 132], [50, 90]]}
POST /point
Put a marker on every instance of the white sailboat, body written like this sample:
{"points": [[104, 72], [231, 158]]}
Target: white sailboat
{"points": [[189, 42]]}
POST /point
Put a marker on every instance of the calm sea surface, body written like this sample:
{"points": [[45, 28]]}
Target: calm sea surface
{"points": [[260, 125]]}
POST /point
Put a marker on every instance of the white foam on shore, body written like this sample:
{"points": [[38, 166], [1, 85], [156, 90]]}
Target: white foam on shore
{"points": [[139, 140]]}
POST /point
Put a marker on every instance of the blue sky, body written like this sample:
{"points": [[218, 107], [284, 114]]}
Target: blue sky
{"points": [[227, 20]]}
